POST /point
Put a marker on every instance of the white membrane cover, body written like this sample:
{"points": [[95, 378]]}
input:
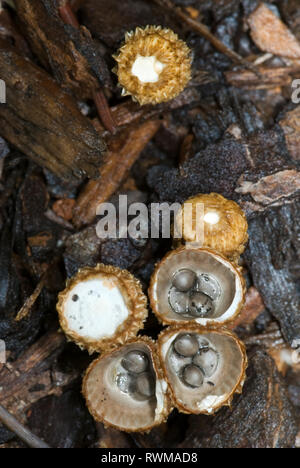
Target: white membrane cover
{"points": [[95, 308], [147, 69]]}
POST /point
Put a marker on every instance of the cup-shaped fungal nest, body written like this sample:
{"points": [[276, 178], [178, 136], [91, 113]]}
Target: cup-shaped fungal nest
{"points": [[196, 285], [204, 368], [126, 389], [102, 307], [153, 65], [222, 223]]}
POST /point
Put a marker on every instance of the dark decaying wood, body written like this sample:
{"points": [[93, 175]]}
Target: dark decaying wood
{"points": [[71, 54], [233, 130], [261, 418], [273, 257], [44, 122]]}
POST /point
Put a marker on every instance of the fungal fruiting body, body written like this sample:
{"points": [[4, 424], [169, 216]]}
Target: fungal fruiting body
{"points": [[153, 65], [125, 388], [204, 367], [222, 223], [102, 307], [196, 285]]}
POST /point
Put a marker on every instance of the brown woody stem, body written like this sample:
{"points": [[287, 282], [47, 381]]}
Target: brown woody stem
{"points": [[68, 16], [104, 111]]}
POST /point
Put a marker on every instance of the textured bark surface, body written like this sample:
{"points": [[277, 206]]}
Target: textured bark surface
{"points": [[273, 257], [261, 418], [233, 130], [73, 56], [44, 122]]}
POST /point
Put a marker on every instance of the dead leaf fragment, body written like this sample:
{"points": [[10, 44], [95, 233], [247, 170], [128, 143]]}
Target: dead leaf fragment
{"points": [[270, 34]]}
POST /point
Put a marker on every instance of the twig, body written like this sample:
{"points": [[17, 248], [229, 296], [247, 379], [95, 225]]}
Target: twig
{"points": [[67, 15], [22, 432], [104, 112], [205, 32], [25, 309], [122, 154]]}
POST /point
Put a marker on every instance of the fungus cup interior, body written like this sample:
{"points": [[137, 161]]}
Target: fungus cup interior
{"points": [[126, 397], [214, 295], [204, 376]]}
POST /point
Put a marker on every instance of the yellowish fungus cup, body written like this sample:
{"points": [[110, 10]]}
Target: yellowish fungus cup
{"points": [[154, 65]]}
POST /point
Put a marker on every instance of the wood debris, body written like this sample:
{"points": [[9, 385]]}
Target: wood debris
{"points": [[270, 34]]}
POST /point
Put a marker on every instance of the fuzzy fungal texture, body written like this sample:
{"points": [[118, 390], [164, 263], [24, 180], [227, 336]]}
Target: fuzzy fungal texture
{"points": [[223, 222], [219, 359], [153, 65], [215, 296], [117, 391], [102, 307]]}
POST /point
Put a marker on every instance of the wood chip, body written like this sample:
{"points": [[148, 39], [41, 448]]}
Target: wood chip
{"points": [[44, 122], [64, 208], [270, 34], [122, 154], [290, 124], [272, 188]]}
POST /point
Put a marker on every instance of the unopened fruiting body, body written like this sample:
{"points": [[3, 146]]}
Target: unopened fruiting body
{"points": [[125, 388], [153, 65], [206, 380], [212, 293], [213, 221], [102, 307]]}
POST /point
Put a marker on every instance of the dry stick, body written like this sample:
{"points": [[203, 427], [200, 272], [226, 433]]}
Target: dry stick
{"points": [[205, 32], [69, 17], [22, 432], [25, 309], [104, 111]]}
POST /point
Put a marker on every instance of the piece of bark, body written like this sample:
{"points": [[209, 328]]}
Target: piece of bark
{"points": [[44, 122], [290, 124], [270, 339], [270, 77], [252, 308], [128, 112], [9, 30], [270, 34], [71, 54], [272, 252], [29, 378], [270, 189], [234, 167], [64, 208], [262, 417], [109, 21], [118, 161], [67, 412]]}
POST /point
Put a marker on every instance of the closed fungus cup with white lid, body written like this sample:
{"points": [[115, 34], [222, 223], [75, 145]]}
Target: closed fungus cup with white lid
{"points": [[102, 307], [204, 367], [220, 224], [153, 65], [126, 389], [196, 285]]}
